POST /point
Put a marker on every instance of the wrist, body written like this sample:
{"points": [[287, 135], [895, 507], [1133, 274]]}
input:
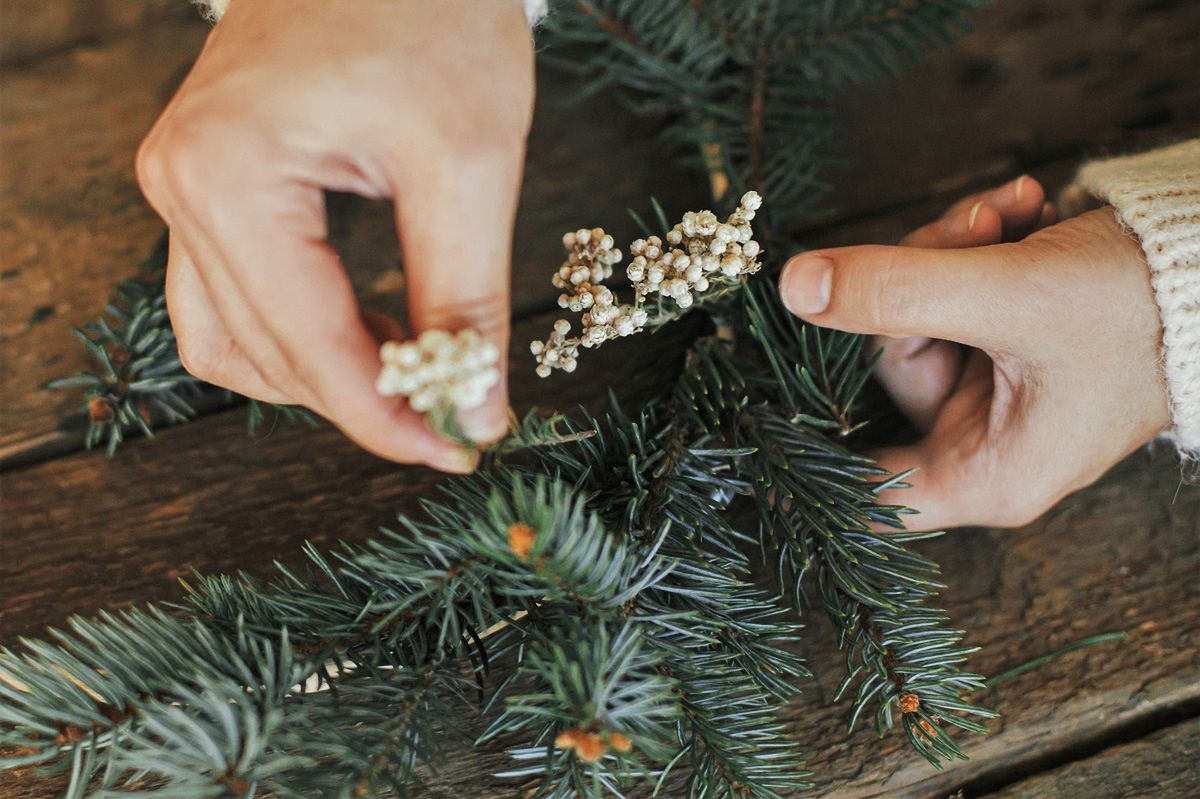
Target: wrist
{"points": [[1155, 196]]}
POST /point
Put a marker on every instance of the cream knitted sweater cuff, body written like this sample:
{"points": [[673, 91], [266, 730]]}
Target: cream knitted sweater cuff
{"points": [[1157, 196], [213, 9]]}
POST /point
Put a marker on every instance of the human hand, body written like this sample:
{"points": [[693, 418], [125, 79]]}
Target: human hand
{"points": [[1027, 351], [425, 103]]}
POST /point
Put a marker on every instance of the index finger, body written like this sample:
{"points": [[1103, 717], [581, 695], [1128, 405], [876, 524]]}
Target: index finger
{"points": [[291, 276], [457, 246], [974, 296]]}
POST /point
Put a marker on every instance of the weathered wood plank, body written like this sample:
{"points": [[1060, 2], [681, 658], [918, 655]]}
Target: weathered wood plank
{"points": [[1121, 555], [1054, 175], [219, 500], [34, 29], [71, 217], [1165, 765], [1036, 81], [1116, 556]]}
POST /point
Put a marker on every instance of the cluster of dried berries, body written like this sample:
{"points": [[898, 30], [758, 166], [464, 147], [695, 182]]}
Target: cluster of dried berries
{"points": [[439, 370], [700, 252]]}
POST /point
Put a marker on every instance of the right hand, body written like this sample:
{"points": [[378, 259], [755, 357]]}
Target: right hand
{"points": [[428, 104], [1028, 351]]}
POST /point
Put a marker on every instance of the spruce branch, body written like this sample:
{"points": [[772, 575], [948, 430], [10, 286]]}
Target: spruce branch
{"points": [[140, 382], [140, 378], [744, 86]]}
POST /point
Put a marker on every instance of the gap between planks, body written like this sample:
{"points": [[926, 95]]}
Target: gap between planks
{"points": [[1163, 763]]}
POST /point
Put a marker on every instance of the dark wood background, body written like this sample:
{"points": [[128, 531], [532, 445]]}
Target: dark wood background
{"points": [[1039, 86]]}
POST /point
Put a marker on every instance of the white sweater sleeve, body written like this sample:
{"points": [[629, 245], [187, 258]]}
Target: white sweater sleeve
{"points": [[1157, 196], [213, 9]]}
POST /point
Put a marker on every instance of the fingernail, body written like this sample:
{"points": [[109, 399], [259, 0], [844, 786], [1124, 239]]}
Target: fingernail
{"points": [[459, 460], [483, 425], [974, 213], [1020, 186], [806, 284]]}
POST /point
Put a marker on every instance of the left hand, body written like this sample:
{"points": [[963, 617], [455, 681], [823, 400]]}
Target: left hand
{"points": [[1027, 351], [427, 104]]}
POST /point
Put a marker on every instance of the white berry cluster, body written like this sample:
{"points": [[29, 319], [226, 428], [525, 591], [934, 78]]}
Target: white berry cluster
{"points": [[700, 251], [590, 259], [700, 247], [439, 370], [558, 351]]}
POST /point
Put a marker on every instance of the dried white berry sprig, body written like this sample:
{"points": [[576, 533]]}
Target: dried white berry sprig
{"points": [[700, 253], [440, 373]]}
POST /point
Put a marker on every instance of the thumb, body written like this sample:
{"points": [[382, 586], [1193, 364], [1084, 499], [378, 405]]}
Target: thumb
{"points": [[969, 296], [457, 242], [953, 479], [936, 504]]}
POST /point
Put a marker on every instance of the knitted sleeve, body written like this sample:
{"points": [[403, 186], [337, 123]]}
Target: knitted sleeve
{"points": [[213, 9], [1157, 196]]}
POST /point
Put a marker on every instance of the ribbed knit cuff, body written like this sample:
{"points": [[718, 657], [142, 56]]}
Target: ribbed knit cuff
{"points": [[213, 9], [1157, 195]]}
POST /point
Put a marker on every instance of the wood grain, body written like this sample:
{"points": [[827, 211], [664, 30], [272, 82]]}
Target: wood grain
{"points": [[1116, 556], [1036, 81], [71, 217], [36, 29], [218, 501], [1121, 555], [1165, 765]]}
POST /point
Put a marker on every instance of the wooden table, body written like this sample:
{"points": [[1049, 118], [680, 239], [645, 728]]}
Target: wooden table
{"points": [[1035, 89]]}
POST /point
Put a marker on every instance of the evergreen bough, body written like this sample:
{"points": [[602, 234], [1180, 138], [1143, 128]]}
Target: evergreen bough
{"points": [[593, 596], [140, 381]]}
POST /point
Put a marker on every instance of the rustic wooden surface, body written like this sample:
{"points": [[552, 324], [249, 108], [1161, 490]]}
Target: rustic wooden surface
{"points": [[1037, 86], [1037, 80], [1121, 555], [71, 218], [1156, 766], [33, 29]]}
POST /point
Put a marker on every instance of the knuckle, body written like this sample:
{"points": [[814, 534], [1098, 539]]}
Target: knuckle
{"points": [[150, 169], [276, 376], [484, 131], [488, 314], [173, 163], [198, 358]]}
